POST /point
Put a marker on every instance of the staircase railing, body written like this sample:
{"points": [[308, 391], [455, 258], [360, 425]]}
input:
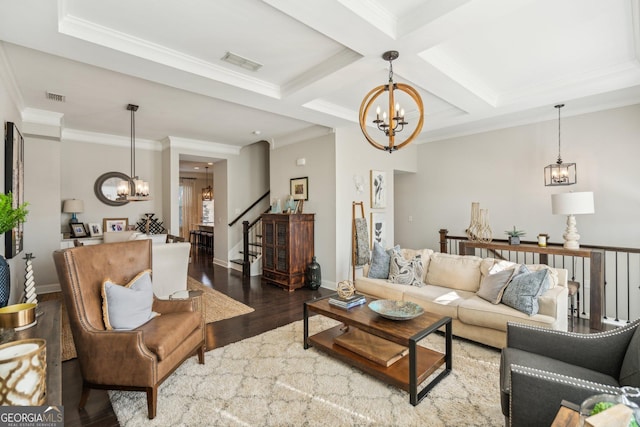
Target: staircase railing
{"points": [[621, 296], [251, 235]]}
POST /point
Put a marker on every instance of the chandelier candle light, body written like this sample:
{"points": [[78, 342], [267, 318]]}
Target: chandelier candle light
{"points": [[135, 189], [393, 122], [571, 204], [207, 192], [559, 173]]}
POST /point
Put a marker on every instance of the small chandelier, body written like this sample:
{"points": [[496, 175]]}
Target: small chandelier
{"points": [[134, 189], [394, 122], [559, 173], [207, 192]]}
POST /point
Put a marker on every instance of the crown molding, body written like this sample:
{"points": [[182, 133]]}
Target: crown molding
{"points": [[204, 147], [6, 75], [76, 135], [42, 117]]}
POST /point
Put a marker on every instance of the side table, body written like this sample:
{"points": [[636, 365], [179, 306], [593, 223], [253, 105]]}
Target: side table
{"points": [[566, 416]]}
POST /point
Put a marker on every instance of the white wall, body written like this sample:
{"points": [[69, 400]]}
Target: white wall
{"points": [[503, 170], [319, 154]]}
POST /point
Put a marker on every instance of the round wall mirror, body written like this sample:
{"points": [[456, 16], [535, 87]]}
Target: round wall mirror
{"points": [[106, 188]]}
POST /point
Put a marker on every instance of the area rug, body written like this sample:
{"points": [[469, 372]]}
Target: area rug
{"points": [[270, 380], [217, 306]]}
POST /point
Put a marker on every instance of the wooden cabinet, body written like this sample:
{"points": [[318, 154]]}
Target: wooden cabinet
{"points": [[287, 248]]}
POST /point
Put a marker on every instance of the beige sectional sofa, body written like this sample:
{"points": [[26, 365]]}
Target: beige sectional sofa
{"points": [[451, 283]]}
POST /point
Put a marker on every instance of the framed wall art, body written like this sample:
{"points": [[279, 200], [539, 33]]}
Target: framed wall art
{"points": [[115, 224], [299, 188], [14, 183], [378, 189], [78, 230], [378, 229], [95, 229]]}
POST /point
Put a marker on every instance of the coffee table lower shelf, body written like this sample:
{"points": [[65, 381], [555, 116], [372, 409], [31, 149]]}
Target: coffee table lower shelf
{"points": [[398, 374]]}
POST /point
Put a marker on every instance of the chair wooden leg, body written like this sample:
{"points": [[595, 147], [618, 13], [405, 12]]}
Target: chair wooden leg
{"points": [[84, 396], [201, 355], [152, 401]]}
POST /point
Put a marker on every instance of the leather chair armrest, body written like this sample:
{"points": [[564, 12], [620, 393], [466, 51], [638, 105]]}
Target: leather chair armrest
{"points": [[536, 395], [600, 352], [178, 305], [105, 356]]}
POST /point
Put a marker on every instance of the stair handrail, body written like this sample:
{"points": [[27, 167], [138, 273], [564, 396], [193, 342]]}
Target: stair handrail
{"points": [[249, 208]]}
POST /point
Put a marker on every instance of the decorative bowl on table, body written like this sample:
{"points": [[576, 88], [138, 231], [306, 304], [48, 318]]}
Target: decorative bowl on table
{"points": [[396, 310]]}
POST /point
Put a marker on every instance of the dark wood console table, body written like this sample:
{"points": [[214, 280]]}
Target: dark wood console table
{"points": [[596, 279], [49, 328]]}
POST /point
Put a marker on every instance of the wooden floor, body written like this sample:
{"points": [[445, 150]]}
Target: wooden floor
{"points": [[274, 307]]}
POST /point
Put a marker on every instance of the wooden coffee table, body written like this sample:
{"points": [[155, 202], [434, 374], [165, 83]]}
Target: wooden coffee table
{"points": [[408, 372]]}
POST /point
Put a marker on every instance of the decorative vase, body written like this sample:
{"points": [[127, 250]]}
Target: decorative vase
{"points": [[474, 225], [484, 231], [313, 274], [5, 282]]}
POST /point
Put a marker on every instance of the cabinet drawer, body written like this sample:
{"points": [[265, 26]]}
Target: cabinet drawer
{"points": [[276, 277]]}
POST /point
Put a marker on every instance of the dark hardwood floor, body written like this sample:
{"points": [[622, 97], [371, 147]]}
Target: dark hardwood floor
{"points": [[274, 307]]}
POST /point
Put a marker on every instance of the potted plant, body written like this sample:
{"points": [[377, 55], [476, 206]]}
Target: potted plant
{"points": [[514, 235], [10, 217]]}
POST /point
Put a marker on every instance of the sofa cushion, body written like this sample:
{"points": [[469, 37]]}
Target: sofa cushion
{"points": [[437, 299], [406, 272], [524, 289], [454, 271], [128, 306], [478, 312], [493, 285], [379, 288], [380, 260], [165, 333], [630, 370], [492, 263]]}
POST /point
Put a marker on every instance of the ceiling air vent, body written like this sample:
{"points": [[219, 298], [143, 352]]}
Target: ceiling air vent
{"points": [[55, 97], [238, 60]]}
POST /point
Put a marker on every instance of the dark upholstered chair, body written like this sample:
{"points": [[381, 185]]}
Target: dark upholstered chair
{"points": [[542, 367], [139, 359]]}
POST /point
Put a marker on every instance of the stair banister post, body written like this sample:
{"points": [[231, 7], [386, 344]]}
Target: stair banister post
{"points": [[246, 265]]}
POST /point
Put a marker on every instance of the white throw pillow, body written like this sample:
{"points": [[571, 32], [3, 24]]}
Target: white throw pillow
{"points": [[125, 307]]}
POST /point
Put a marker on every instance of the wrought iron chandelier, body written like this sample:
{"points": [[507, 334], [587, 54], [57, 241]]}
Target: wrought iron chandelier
{"points": [[207, 192], [135, 189], [393, 122], [559, 173]]}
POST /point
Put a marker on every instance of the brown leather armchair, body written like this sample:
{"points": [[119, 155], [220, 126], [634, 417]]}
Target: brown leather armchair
{"points": [[140, 359]]}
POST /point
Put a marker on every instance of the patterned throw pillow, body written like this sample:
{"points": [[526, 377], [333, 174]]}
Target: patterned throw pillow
{"points": [[126, 307], [523, 291], [494, 283], [380, 260], [406, 272]]}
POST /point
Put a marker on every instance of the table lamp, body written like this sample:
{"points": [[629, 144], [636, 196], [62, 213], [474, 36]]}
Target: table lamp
{"points": [[73, 206], [571, 204]]}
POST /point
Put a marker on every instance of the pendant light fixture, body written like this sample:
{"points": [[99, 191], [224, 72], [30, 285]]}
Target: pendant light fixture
{"points": [[207, 192], [394, 121], [135, 189], [559, 173]]}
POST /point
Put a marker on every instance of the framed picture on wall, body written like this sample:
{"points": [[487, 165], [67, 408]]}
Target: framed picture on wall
{"points": [[378, 229], [378, 189], [95, 229], [78, 230], [299, 188], [14, 184], [115, 224]]}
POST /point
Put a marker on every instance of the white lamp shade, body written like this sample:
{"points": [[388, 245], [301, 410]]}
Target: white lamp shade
{"points": [[73, 206], [572, 203]]}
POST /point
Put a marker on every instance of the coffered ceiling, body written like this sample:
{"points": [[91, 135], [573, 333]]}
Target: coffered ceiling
{"points": [[478, 64]]}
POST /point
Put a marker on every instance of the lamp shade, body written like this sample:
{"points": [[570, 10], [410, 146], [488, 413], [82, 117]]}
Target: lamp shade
{"points": [[572, 203], [73, 206]]}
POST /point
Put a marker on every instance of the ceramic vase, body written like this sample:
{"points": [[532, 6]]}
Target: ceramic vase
{"points": [[5, 282], [313, 274]]}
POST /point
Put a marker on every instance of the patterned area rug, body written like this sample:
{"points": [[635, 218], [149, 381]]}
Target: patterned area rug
{"points": [[217, 306], [270, 380]]}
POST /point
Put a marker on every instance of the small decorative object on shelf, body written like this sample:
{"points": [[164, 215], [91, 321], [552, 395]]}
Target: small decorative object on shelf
{"points": [[347, 303], [514, 235], [30, 295], [314, 274], [474, 225], [484, 231], [345, 289], [543, 238], [275, 206], [150, 225]]}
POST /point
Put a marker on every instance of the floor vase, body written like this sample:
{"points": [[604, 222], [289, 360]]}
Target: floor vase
{"points": [[5, 282]]}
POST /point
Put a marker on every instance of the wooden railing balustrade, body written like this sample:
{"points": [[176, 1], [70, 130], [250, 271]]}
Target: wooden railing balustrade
{"points": [[609, 275]]}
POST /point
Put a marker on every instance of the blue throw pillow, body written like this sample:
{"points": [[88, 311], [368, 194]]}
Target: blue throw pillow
{"points": [[523, 291], [380, 259], [126, 307]]}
